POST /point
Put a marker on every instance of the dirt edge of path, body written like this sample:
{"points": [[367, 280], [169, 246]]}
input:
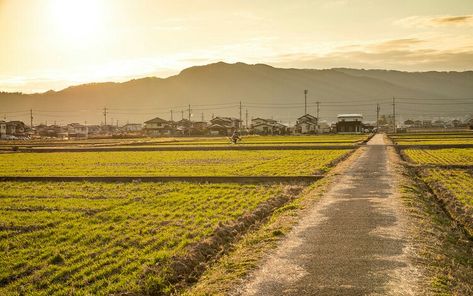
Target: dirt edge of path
{"points": [[225, 275], [440, 247]]}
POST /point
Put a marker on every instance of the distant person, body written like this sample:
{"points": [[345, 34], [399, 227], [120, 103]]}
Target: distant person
{"points": [[235, 137]]}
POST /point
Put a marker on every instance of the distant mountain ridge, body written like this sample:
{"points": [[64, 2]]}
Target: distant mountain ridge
{"points": [[264, 90]]}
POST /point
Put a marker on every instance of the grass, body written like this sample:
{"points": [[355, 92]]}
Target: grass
{"points": [[169, 163], [100, 238]]}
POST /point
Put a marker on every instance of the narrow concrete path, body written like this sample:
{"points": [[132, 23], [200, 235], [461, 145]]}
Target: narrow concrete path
{"points": [[352, 241]]}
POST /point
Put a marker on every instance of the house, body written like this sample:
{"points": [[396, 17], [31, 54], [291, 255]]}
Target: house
{"points": [[94, 129], [438, 123], [16, 128], [456, 123], [263, 126], [427, 123], [158, 127], [224, 126], [306, 124], [259, 120], [323, 127], [349, 123], [132, 127], [3, 129], [217, 130], [77, 130], [418, 123], [199, 128]]}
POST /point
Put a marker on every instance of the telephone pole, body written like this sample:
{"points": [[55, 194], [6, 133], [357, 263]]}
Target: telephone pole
{"points": [[246, 115], [317, 110], [189, 112], [171, 115], [240, 112], [305, 101], [31, 118], [377, 117], [202, 118], [182, 114], [394, 115], [105, 115]]}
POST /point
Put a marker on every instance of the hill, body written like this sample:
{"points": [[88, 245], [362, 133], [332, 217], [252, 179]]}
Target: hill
{"points": [[264, 90]]}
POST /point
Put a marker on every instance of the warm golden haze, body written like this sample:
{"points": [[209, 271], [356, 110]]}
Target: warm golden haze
{"points": [[51, 44]]}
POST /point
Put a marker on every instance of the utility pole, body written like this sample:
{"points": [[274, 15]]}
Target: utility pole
{"points": [[171, 115], [189, 112], [377, 117], [117, 122], [182, 114], [105, 115], [213, 116], [202, 117], [240, 112], [246, 115], [305, 101], [31, 117], [394, 115], [317, 110]]}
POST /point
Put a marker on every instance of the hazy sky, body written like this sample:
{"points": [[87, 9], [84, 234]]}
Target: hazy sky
{"points": [[50, 44]]}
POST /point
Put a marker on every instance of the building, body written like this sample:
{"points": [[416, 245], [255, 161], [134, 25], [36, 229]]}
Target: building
{"points": [[306, 124], [349, 123], [323, 127], [132, 127], [217, 130], [16, 128], [77, 130], [3, 129], [224, 126], [263, 126], [158, 127]]}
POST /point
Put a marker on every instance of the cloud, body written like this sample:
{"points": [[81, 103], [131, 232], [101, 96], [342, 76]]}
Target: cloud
{"points": [[400, 54], [436, 21]]}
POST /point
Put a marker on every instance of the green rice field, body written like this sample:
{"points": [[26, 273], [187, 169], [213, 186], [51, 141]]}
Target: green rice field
{"points": [[169, 163], [101, 238]]}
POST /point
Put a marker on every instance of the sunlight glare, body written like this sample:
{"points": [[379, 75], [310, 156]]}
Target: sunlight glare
{"points": [[76, 20]]}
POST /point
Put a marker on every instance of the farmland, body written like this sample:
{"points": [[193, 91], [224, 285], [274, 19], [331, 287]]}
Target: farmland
{"points": [[108, 238], [455, 156], [169, 163], [177, 141], [448, 171], [127, 237], [434, 138]]}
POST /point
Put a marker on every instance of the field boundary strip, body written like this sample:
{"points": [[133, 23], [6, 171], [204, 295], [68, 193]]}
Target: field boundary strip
{"points": [[194, 148], [434, 146], [193, 179], [442, 166]]}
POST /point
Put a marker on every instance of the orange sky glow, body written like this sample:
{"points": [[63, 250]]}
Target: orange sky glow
{"points": [[51, 44]]}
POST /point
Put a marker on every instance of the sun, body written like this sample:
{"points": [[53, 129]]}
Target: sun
{"points": [[76, 20]]}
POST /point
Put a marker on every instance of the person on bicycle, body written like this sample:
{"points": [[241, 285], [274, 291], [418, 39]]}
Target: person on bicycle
{"points": [[235, 137]]}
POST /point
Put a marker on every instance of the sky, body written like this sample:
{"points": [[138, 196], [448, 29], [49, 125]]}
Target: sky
{"points": [[51, 44]]}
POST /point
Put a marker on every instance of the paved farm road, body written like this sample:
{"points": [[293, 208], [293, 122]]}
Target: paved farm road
{"points": [[351, 242]]}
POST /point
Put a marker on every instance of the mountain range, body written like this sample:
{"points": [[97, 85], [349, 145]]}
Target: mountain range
{"points": [[263, 90]]}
